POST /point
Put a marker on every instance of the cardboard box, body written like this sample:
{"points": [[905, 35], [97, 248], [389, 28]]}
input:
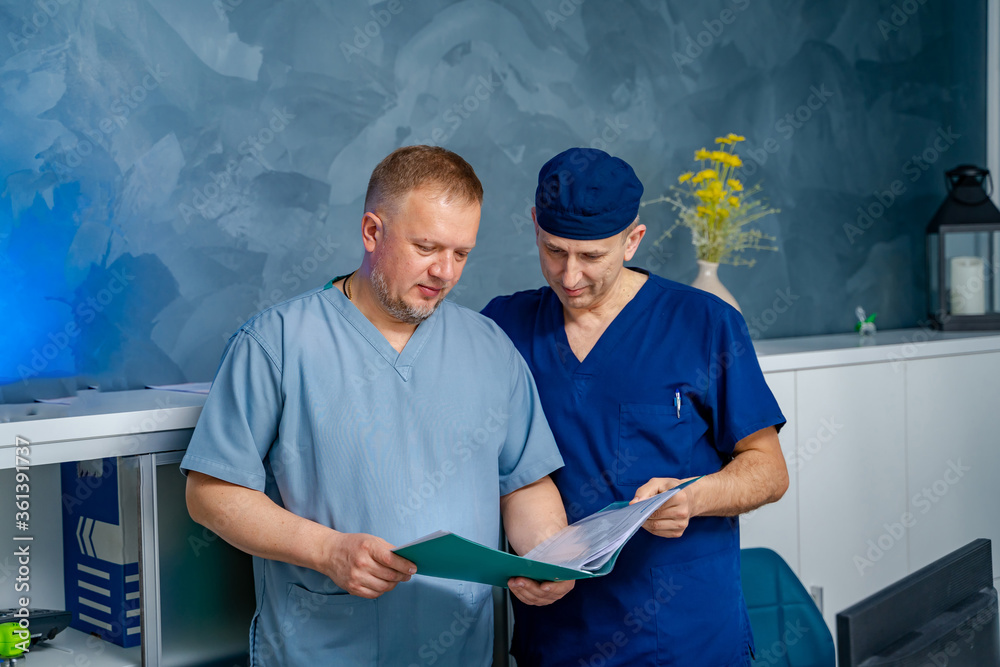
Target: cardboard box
{"points": [[100, 501]]}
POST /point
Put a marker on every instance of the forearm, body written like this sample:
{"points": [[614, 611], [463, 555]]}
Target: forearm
{"points": [[750, 480], [252, 522], [532, 513]]}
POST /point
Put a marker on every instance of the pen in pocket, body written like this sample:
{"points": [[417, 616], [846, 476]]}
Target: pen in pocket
{"points": [[677, 402]]}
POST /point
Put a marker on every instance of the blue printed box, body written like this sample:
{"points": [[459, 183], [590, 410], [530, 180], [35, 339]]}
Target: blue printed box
{"points": [[101, 547]]}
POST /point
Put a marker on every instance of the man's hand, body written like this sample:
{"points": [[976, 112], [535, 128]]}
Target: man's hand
{"points": [[539, 593], [671, 520], [364, 565]]}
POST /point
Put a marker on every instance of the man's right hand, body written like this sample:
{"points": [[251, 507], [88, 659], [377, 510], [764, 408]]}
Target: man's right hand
{"points": [[364, 565]]}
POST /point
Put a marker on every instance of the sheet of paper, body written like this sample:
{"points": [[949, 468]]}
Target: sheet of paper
{"points": [[590, 542], [188, 387], [65, 400]]}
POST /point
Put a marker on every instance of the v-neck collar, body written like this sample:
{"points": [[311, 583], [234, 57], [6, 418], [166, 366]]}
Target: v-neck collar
{"points": [[403, 361], [608, 340]]}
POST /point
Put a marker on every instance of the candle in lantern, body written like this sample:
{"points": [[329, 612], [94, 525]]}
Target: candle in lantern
{"points": [[968, 296]]}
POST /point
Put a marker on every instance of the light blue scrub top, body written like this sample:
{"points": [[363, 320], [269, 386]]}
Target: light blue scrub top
{"points": [[314, 407]]}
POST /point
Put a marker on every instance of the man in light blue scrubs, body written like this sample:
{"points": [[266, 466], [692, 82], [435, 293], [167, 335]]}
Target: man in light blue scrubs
{"points": [[645, 383], [366, 414]]}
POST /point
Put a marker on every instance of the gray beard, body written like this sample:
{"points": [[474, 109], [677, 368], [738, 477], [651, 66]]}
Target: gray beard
{"points": [[398, 308]]}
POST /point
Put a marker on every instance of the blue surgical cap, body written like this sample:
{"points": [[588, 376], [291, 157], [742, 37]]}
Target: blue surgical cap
{"points": [[585, 194]]}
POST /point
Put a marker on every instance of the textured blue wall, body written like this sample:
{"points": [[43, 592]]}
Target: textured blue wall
{"points": [[169, 167]]}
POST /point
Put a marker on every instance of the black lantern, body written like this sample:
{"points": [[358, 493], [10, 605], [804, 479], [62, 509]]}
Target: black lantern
{"points": [[963, 247]]}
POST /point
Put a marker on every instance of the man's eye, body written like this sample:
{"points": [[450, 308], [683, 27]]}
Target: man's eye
{"points": [[461, 255], [423, 248]]}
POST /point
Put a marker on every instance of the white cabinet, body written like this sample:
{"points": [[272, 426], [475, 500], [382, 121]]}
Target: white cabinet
{"points": [[953, 463], [852, 481], [189, 580], [893, 449]]}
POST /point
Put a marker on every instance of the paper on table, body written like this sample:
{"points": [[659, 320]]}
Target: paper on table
{"points": [[590, 542], [188, 387]]}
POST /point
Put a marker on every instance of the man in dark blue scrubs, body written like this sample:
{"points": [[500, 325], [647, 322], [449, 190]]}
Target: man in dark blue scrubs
{"points": [[645, 383]]}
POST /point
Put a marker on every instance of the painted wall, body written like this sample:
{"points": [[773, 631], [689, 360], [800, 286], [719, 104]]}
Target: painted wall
{"points": [[169, 167]]}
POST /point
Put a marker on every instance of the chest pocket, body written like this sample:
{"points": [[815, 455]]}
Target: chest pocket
{"points": [[653, 442]]}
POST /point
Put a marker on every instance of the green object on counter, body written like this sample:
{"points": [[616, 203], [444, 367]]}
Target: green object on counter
{"points": [[12, 635]]}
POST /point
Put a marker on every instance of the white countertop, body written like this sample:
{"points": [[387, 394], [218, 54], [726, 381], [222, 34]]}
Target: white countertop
{"points": [[897, 345], [99, 424]]}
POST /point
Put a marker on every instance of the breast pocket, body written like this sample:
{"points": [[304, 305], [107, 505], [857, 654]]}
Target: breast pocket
{"points": [[329, 629], [653, 442]]}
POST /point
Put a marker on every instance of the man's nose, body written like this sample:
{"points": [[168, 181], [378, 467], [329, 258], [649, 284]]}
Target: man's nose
{"points": [[572, 273], [443, 268]]}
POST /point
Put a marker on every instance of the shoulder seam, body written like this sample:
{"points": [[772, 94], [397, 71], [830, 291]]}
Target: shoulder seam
{"points": [[263, 346]]}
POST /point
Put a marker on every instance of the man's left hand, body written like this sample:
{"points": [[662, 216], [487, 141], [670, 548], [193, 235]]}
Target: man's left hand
{"points": [[671, 520], [539, 593]]}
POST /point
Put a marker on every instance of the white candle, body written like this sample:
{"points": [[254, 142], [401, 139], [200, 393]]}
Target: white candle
{"points": [[968, 296]]}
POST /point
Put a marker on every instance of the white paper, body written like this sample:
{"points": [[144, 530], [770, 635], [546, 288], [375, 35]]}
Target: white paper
{"points": [[589, 543], [187, 387]]}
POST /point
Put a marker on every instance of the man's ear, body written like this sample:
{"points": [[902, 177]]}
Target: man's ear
{"points": [[534, 220], [372, 231], [632, 243]]}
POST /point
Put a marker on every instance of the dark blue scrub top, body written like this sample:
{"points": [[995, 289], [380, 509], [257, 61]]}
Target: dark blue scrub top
{"points": [[667, 601]]}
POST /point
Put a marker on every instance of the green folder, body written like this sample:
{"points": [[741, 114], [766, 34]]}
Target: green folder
{"points": [[450, 556]]}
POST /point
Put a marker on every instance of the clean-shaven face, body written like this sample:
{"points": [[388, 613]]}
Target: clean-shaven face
{"points": [[421, 256], [581, 273]]}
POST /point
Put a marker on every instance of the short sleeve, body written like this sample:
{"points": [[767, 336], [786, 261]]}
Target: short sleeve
{"points": [[240, 419], [739, 399], [529, 451]]}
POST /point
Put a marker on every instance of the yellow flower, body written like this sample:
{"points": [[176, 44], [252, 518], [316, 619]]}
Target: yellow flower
{"points": [[735, 161], [734, 202], [734, 138], [720, 156], [723, 140], [705, 173], [685, 177], [734, 185], [702, 154], [704, 211]]}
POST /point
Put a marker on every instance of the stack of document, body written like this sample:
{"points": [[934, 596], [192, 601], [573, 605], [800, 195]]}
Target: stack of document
{"points": [[587, 548]]}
